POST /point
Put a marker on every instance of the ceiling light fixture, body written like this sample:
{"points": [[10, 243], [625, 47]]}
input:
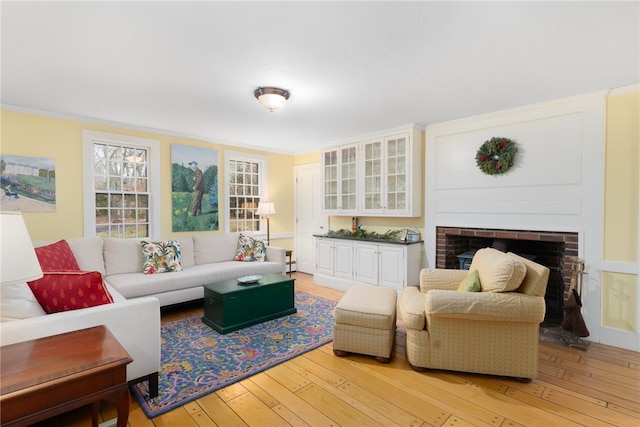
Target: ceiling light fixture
{"points": [[271, 98]]}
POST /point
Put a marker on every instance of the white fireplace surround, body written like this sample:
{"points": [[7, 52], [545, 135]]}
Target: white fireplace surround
{"points": [[556, 183]]}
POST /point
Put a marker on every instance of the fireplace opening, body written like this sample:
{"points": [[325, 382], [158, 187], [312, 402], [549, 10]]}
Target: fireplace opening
{"points": [[555, 250]]}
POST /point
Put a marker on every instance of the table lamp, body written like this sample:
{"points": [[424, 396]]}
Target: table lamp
{"points": [[265, 209], [19, 262]]}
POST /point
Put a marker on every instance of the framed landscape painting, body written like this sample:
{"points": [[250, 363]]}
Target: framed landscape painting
{"points": [[28, 184], [194, 188]]}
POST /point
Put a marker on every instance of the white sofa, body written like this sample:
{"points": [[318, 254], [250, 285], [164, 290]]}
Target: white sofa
{"points": [[134, 317]]}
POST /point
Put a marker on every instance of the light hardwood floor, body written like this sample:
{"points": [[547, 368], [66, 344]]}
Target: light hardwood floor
{"points": [[597, 387]]}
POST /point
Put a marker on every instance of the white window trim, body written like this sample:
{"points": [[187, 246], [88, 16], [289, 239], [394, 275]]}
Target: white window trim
{"points": [[88, 188], [264, 184]]}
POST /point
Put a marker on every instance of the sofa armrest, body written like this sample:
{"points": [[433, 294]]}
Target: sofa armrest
{"points": [[135, 324], [441, 278], [277, 254], [508, 306]]}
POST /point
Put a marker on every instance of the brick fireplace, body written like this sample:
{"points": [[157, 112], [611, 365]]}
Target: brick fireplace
{"points": [[555, 250]]}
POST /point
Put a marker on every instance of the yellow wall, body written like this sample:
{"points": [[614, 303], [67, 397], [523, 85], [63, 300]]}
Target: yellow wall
{"points": [[25, 134], [621, 202], [303, 159], [622, 160]]}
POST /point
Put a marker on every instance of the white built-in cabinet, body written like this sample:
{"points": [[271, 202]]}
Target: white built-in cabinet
{"points": [[387, 180], [340, 180], [340, 263]]}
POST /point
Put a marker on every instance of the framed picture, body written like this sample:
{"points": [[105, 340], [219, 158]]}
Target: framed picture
{"points": [[194, 188], [28, 184]]}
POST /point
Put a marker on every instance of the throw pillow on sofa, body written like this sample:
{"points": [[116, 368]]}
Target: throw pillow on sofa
{"points": [[57, 257], [471, 283], [161, 257], [499, 272], [250, 249], [70, 290], [18, 302]]}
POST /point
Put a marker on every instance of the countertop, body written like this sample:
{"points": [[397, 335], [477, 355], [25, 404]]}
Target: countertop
{"points": [[365, 239]]}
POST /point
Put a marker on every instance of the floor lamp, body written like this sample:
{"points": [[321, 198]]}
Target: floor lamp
{"points": [[264, 210]]}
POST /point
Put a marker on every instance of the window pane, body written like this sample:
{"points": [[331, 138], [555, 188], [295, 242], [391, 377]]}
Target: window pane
{"points": [[243, 183], [115, 184], [143, 230], [124, 196]]}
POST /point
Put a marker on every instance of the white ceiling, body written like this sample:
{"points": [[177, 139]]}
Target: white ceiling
{"points": [[353, 68]]}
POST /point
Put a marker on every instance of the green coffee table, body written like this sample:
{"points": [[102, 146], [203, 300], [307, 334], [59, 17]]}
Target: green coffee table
{"points": [[230, 305]]}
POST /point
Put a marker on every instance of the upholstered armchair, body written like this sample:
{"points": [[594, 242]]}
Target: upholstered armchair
{"points": [[491, 331]]}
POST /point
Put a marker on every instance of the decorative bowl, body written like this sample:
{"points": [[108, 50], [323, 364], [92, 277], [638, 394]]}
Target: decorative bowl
{"points": [[249, 279]]}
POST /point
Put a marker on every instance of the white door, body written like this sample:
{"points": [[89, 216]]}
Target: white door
{"points": [[343, 259], [367, 263], [308, 215], [392, 267], [324, 249]]}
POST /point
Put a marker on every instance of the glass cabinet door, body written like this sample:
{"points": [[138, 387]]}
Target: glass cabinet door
{"points": [[372, 175], [340, 180], [330, 176], [348, 177], [396, 171]]}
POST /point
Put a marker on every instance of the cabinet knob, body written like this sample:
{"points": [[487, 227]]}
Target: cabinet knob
{"points": [[212, 301]]}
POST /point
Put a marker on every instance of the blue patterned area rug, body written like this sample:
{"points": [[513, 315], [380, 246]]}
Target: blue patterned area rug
{"points": [[196, 360]]}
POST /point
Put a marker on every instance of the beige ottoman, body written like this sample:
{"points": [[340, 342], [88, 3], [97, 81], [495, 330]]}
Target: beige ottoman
{"points": [[365, 322]]}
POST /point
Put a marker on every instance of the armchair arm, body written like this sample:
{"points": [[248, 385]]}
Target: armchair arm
{"points": [[276, 254], [508, 306], [441, 278]]}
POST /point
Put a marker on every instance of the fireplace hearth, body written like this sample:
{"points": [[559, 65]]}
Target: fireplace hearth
{"points": [[555, 250]]}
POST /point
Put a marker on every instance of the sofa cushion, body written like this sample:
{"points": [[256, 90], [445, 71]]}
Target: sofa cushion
{"points": [[471, 283], [187, 255], [499, 272], [57, 257], [216, 248], [70, 290], [122, 256], [133, 285], [88, 253], [161, 256], [535, 282], [18, 302], [250, 249]]}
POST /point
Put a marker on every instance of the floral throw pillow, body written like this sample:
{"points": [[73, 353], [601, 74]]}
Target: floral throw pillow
{"points": [[250, 249], [161, 257]]}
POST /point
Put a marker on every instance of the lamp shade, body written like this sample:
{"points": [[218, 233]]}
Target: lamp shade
{"points": [[19, 263], [266, 208]]}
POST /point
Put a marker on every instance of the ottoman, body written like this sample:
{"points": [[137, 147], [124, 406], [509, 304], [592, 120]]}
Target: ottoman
{"points": [[365, 322]]}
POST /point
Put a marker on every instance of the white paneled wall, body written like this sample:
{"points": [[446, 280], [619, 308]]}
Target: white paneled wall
{"points": [[556, 183]]}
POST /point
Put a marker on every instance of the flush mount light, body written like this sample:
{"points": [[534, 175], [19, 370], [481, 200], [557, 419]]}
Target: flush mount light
{"points": [[271, 98]]}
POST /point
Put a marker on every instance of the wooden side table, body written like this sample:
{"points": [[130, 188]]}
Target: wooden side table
{"points": [[45, 377], [288, 253]]}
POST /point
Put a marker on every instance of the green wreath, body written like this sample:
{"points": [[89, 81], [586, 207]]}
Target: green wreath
{"points": [[496, 156]]}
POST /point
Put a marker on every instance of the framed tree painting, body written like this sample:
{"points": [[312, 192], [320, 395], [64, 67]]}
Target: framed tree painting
{"points": [[194, 188], [28, 184]]}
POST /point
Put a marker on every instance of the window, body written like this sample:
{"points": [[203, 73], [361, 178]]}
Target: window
{"points": [[121, 181], [245, 186]]}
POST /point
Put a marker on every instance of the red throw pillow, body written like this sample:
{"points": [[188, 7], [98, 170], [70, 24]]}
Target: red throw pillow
{"points": [[70, 290], [57, 257]]}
